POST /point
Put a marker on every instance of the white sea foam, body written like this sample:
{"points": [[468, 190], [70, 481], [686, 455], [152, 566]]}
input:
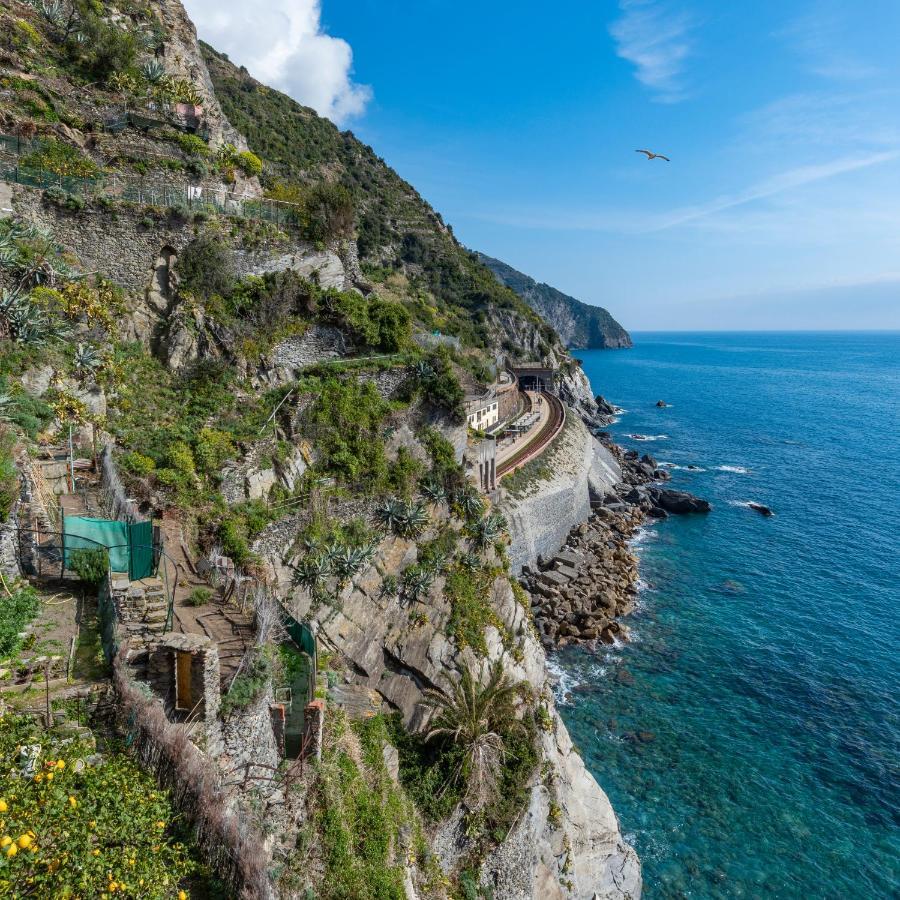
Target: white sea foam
{"points": [[679, 468], [563, 682], [649, 437], [737, 470]]}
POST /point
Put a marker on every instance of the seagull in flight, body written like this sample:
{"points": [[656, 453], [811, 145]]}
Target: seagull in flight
{"points": [[651, 155]]}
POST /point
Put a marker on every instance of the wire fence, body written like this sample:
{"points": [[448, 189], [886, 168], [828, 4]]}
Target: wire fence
{"points": [[190, 196]]}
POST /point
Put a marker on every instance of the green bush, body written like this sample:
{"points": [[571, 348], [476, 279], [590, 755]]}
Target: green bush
{"points": [[247, 686], [199, 596], [206, 267], [101, 48], [9, 480], [249, 163], [15, 613], [60, 159], [346, 422], [137, 464], [90, 564], [191, 144], [212, 449]]}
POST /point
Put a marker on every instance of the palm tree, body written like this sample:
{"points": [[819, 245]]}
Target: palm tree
{"points": [[476, 717]]}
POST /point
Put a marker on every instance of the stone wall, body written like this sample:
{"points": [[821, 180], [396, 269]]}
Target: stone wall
{"points": [[249, 745], [577, 467]]}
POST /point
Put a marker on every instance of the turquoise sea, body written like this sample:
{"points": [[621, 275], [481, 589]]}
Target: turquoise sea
{"points": [[749, 735]]}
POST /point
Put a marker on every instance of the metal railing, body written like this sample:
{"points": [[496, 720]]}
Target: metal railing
{"points": [[194, 196]]}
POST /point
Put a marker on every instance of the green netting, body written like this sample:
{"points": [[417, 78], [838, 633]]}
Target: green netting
{"points": [[82, 533], [140, 541]]}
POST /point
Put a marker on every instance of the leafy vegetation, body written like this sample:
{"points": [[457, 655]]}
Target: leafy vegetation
{"points": [[15, 613], [9, 481], [363, 822], [90, 564], [77, 829]]}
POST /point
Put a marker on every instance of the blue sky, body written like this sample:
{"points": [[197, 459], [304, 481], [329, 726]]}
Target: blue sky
{"points": [[780, 208]]}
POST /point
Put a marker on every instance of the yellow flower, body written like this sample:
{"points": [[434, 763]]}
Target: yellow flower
{"points": [[39, 777], [92, 823], [73, 802], [95, 852], [25, 841], [160, 824]]}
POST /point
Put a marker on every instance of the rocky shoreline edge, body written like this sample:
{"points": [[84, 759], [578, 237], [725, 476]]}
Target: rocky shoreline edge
{"points": [[580, 593]]}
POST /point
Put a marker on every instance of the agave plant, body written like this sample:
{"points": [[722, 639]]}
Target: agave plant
{"points": [[416, 583], [470, 504], [87, 360], [413, 519], [433, 491], [311, 572], [154, 71], [422, 370], [470, 561], [26, 323], [350, 561], [387, 513], [389, 586], [487, 531]]}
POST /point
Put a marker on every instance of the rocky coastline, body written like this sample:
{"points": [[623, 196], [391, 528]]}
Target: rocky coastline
{"points": [[579, 594]]}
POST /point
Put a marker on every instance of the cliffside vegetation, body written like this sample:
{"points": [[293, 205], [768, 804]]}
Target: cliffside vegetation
{"points": [[579, 324]]}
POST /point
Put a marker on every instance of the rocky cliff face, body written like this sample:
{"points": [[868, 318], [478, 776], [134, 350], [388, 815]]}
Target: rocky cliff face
{"points": [[578, 324]]}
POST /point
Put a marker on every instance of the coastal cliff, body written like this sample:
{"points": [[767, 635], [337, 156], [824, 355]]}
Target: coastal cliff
{"points": [[579, 325], [244, 309]]}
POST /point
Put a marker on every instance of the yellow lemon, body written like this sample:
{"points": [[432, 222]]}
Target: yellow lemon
{"points": [[4, 806], [92, 823], [73, 802], [95, 852], [182, 895], [160, 824], [12, 850], [49, 776], [39, 777], [60, 764], [5, 841], [25, 841]]}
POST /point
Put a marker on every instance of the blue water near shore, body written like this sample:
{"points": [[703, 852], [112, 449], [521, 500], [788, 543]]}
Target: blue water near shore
{"points": [[749, 735]]}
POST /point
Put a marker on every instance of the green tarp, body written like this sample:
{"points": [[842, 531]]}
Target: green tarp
{"points": [[82, 533], [140, 541], [130, 544]]}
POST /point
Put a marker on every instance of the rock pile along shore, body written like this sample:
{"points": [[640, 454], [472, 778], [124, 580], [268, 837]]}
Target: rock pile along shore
{"points": [[579, 594]]}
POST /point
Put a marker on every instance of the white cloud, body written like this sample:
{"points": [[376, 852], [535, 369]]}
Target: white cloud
{"points": [[281, 42], [656, 40], [821, 41]]}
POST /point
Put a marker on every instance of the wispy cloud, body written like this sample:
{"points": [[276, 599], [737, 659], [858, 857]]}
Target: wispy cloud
{"points": [[283, 43], [770, 187], [820, 40], [657, 40]]}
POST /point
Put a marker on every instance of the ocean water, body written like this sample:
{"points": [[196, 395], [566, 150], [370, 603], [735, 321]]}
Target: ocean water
{"points": [[749, 735]]}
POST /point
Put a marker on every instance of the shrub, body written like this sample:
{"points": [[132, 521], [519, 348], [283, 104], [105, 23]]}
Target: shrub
{"points": [[249, 163], [9, 481], [60, 159], [15, 613], [106, 47], [191, 144], [211, 450], [90, 564], [199, 596], [205, 267], [137, 464], [247, 686]]}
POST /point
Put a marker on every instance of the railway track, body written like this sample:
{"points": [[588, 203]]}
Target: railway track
{"points": [[538, 443]]}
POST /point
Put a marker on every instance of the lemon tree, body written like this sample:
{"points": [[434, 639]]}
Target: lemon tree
{"points": [[75, 825]]}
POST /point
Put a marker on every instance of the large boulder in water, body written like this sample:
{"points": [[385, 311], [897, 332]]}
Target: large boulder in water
{"points": [[761, 508], [678, 502]]}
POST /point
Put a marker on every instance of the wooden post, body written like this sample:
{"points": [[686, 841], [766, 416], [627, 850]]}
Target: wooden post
{"points": [[47, 692]]}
